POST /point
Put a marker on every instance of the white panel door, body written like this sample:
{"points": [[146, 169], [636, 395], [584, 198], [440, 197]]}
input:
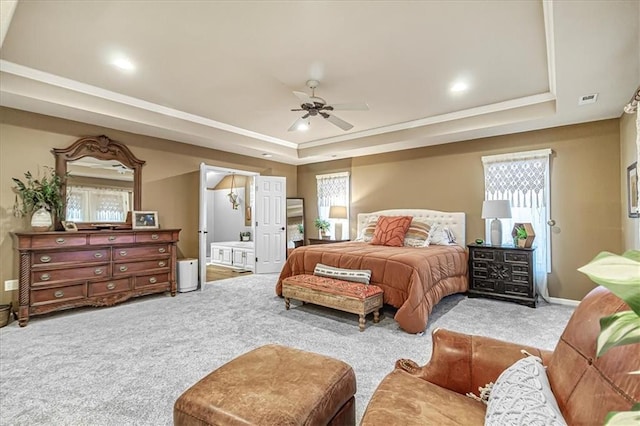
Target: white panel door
{"points": [[270, 223], [202, 227]]}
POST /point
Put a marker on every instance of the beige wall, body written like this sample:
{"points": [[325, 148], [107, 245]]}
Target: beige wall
{"points": [[585, 187], [628, 155], [170, 177]]}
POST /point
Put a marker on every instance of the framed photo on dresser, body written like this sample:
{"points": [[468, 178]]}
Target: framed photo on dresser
{"points": [[145, 220]]}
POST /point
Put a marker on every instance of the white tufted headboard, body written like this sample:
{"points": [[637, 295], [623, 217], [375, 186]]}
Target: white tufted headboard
{"points": [[455, 221]]}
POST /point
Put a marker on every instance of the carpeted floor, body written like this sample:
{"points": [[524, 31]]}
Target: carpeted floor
{"points": [[127, 364]]}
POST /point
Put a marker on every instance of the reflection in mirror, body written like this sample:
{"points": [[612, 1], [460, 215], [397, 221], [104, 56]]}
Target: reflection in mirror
{"points": [[295, 222], [98, 190]]}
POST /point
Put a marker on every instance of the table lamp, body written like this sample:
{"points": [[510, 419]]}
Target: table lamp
{"points": [[338, 212], [496, 209]]}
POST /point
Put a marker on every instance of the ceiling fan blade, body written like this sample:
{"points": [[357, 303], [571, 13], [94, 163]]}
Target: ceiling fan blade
{"points": [[304, 98], [356, 106], [338, 122], [296, 124]]}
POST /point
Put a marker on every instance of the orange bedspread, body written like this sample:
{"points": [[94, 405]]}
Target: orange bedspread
{"points": [[413, 279]]}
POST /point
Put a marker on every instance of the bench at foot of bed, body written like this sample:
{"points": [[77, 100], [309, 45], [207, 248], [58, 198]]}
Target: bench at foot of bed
{"points": [[346, 296]]}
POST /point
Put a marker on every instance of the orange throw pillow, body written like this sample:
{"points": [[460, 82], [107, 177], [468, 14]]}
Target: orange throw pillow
{"points": [[390, 230]]}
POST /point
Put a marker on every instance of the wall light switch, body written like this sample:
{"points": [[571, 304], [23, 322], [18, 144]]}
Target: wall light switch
{"points": [[10, 285]]}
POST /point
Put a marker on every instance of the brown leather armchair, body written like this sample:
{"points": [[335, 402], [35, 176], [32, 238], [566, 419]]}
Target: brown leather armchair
{"points": [[586, 388]]}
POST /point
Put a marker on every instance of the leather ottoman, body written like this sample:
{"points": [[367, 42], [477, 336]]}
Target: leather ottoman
{"points": [[272, 385]]}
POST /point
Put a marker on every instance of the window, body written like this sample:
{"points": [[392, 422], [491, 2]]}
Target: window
{"points": [[85, 204], [333, 190], [523, 179]]}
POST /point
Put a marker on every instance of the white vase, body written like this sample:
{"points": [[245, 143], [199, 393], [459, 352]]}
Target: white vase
{"points": [[41, 220]]}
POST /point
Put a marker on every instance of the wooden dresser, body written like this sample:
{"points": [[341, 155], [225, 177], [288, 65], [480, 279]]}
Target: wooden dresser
{"points": [[63, 270]]}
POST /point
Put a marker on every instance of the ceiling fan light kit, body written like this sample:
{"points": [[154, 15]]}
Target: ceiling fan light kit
{"points": [[314, 106]]}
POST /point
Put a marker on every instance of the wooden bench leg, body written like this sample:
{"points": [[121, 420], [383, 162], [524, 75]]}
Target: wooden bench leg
{"points": [[376, 316], [361, 322], [287, 302]]}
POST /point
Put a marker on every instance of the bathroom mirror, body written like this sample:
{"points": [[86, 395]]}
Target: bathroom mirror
{"points": [[295, 222], [103, 181]]}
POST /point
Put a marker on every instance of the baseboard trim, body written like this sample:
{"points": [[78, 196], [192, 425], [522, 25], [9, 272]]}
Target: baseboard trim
{"points": [[561, 301]]}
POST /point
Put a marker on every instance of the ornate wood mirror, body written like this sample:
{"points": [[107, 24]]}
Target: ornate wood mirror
{"points": [[104, 181]]}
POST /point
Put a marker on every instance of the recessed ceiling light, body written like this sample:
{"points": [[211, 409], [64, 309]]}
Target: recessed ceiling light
{"points": [[266, 155], [124, 64], [459, 86]]}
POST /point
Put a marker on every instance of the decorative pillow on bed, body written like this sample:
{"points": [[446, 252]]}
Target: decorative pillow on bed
{"points": [[356, 275], [522, 396], [366, 234], [417, 234], [390, 230], [440, 235]]}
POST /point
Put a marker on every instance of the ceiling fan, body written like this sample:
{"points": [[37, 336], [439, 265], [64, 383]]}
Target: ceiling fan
{"points": [[313, 106]]}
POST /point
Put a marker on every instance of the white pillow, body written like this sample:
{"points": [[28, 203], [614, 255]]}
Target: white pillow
{"points": [[356, 275], [522, 396], [440, 235]]}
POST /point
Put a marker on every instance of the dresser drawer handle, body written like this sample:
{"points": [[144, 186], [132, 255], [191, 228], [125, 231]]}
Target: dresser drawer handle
{"points": [[45, 277], [154, 236], [123, 268], [161, 264], [111, 286], [98, 271], [162, 250], [153, 280], [97, 255], [45, 259], [59, 294], [112, 238], [123, 252], [60, 240]]}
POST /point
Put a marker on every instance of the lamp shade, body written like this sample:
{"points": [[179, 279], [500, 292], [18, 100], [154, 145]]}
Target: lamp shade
{"points": [[496, 209], [338, 212]]}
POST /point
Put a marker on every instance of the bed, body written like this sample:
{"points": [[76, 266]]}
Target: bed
{"points": [[414, 279]]}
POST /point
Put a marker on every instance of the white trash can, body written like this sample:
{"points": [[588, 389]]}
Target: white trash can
{"points": [[187, 275]]}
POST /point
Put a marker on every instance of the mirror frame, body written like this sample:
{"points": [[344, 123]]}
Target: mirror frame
{"points": [[102, 148], [304, 234]]}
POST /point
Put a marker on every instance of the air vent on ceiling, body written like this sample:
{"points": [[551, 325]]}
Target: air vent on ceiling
{"points": [[588, 99]]}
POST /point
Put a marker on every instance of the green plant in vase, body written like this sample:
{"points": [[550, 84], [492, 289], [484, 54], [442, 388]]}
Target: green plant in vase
{"points": [[322, 225], [300, 228], [621, 275], [41, 197]]}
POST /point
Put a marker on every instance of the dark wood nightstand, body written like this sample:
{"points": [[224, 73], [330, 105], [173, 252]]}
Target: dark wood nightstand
{"points": [[314, 241], [502, 272]]}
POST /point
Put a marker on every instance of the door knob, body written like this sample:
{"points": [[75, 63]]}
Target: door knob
{"points": [[551, 222]]}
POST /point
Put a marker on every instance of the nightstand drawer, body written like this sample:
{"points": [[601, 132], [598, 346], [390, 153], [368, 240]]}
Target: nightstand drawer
{"points": [[480, 273], [486, 285], [483, 254], [517, 289], [520, 269], [510, 256]]}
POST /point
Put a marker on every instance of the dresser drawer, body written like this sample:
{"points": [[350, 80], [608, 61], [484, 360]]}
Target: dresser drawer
{"points": [[129, 268], [483, 254], [107, 287], [517, 289], [59, 294], [486, 285], [153, 237], [66, 239], [125, 253], [53, 257], [48, 276], [516, 257], [109, 238], [150, 280]]}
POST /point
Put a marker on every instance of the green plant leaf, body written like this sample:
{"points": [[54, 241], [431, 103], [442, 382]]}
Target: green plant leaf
{"points": [[623, 418], [621, 328], [620, 274]]}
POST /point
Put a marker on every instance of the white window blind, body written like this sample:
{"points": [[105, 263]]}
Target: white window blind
{"points": [[333, 190], [523, 179]]}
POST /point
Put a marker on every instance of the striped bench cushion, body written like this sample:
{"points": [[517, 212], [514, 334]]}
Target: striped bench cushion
{"points": [[356, 275], [334, 286]]}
